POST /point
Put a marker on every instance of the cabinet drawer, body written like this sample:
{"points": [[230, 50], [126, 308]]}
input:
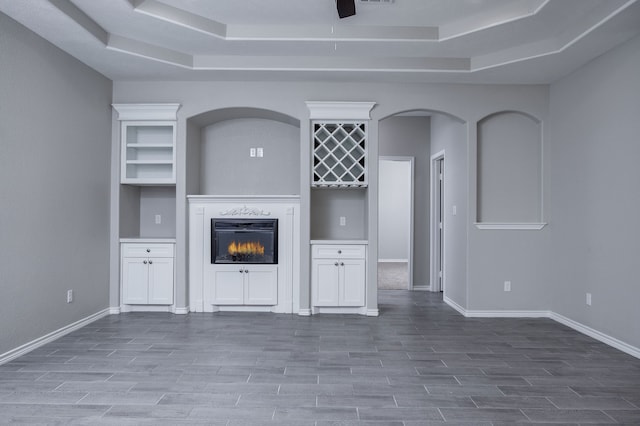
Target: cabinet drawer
{"points": [[338, 251], [147, 250]]}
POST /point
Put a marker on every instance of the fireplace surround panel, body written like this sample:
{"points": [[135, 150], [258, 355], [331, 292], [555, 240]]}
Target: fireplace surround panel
{"points": [[244, 241]]}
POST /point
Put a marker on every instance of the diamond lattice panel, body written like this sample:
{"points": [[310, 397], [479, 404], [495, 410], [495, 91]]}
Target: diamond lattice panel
{"points": [[339, 154]]}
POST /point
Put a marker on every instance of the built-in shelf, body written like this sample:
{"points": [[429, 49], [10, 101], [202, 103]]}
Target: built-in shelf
{"points": [[148, 137]]}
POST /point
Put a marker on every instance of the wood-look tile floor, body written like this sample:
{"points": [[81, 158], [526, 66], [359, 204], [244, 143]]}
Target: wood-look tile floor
{"points": [[419, 363]]}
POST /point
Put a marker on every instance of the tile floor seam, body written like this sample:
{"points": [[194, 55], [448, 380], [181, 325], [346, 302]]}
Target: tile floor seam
{"points": [[637, 406], [606, 414]]}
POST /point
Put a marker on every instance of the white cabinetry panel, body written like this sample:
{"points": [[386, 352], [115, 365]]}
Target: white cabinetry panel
{"points": [[245, 285], [338, 275], [147, 274]]}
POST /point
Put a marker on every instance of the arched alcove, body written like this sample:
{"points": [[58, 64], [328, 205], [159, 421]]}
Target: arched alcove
{"points": [[509, 168], [243, 151]]}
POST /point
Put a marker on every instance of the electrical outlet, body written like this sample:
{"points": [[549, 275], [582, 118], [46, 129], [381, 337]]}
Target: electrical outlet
{"points": [[69, 296], [507, 286], [260, 152], [343, 221], [588, 299], [158, 219], [252, 152]]}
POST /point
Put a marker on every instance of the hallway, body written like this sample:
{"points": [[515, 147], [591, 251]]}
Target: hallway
{"points": [[418, 363]]}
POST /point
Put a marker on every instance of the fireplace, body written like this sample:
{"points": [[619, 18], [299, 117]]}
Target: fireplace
{"points": [[250, 241]]}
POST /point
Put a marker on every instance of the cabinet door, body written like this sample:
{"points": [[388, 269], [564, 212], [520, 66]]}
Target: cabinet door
{"points": [[228, 286], [325, 282], [135, 276], [352, 282], [261, 286], [160, 281]]}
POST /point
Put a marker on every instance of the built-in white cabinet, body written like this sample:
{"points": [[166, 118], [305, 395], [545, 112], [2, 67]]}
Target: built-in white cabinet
{"points": [[147, 273], [245, 285], [338, 275], [148, 143]]}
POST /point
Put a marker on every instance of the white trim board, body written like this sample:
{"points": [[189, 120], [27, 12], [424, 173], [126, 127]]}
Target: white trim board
{"points": [[575, 325], [43, 340]]}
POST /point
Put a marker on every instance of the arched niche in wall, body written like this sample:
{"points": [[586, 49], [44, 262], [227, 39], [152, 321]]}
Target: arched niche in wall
{"points": [[243, 151], [509, 173]]}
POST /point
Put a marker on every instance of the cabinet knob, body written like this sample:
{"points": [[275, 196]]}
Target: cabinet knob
{"points": [[339, 251], [246, 271], [336, 263], [144, 261], [341, 263], [241, 271], [150, 262], [148, 250]]}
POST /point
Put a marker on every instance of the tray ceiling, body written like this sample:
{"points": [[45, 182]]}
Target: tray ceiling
{"points": [[478, 41]]}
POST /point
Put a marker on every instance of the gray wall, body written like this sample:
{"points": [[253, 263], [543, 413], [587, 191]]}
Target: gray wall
{"points": [[595, 123], [470, 103], [394, 209], [157, 200], [328, 205], [227, 169], [509, 169], [55, 130], [410, 137]]}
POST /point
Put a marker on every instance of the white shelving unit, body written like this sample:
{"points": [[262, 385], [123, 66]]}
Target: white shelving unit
{"points": [[148, 136]]}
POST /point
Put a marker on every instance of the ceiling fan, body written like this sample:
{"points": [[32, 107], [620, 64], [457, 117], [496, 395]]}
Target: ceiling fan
{"points": [[346, 8]]}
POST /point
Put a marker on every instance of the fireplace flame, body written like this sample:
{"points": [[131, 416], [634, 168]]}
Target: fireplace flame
{"points": [[245, 248]]}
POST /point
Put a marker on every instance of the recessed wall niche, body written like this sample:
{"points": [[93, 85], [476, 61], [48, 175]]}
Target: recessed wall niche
{"points": [[230, 161], [509, 169]]}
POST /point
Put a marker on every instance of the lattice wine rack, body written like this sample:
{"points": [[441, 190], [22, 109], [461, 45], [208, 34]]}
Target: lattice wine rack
{"points": [[339, 154]]}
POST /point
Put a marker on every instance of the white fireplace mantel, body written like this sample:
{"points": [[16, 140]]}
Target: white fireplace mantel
{"points": [[203, 208]]}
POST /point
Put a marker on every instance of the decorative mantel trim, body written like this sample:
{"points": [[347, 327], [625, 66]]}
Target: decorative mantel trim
{"points": [[245, 211], [147, 111], [320, 110]]}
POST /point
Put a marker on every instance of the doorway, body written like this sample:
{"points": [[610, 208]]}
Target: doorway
{"points": [[395, 219], [437, 222]]}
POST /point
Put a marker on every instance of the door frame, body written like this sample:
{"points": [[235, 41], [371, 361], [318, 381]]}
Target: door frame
{"points": [[411, 161], [437, 247]]}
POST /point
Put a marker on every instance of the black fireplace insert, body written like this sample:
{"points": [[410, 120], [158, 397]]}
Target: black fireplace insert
{"points": [[252, 241]]}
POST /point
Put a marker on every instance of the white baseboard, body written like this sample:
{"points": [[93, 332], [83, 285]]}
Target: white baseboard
{"points": [[393, 260], [373, 312], [114, 310], [421, 288], [145, 308], [181, 311], [41, 341], [304, 312], [455, 306], [602, 337]]}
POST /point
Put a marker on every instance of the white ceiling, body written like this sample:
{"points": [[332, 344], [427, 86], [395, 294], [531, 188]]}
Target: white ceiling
{"points": [[479, 41]]}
